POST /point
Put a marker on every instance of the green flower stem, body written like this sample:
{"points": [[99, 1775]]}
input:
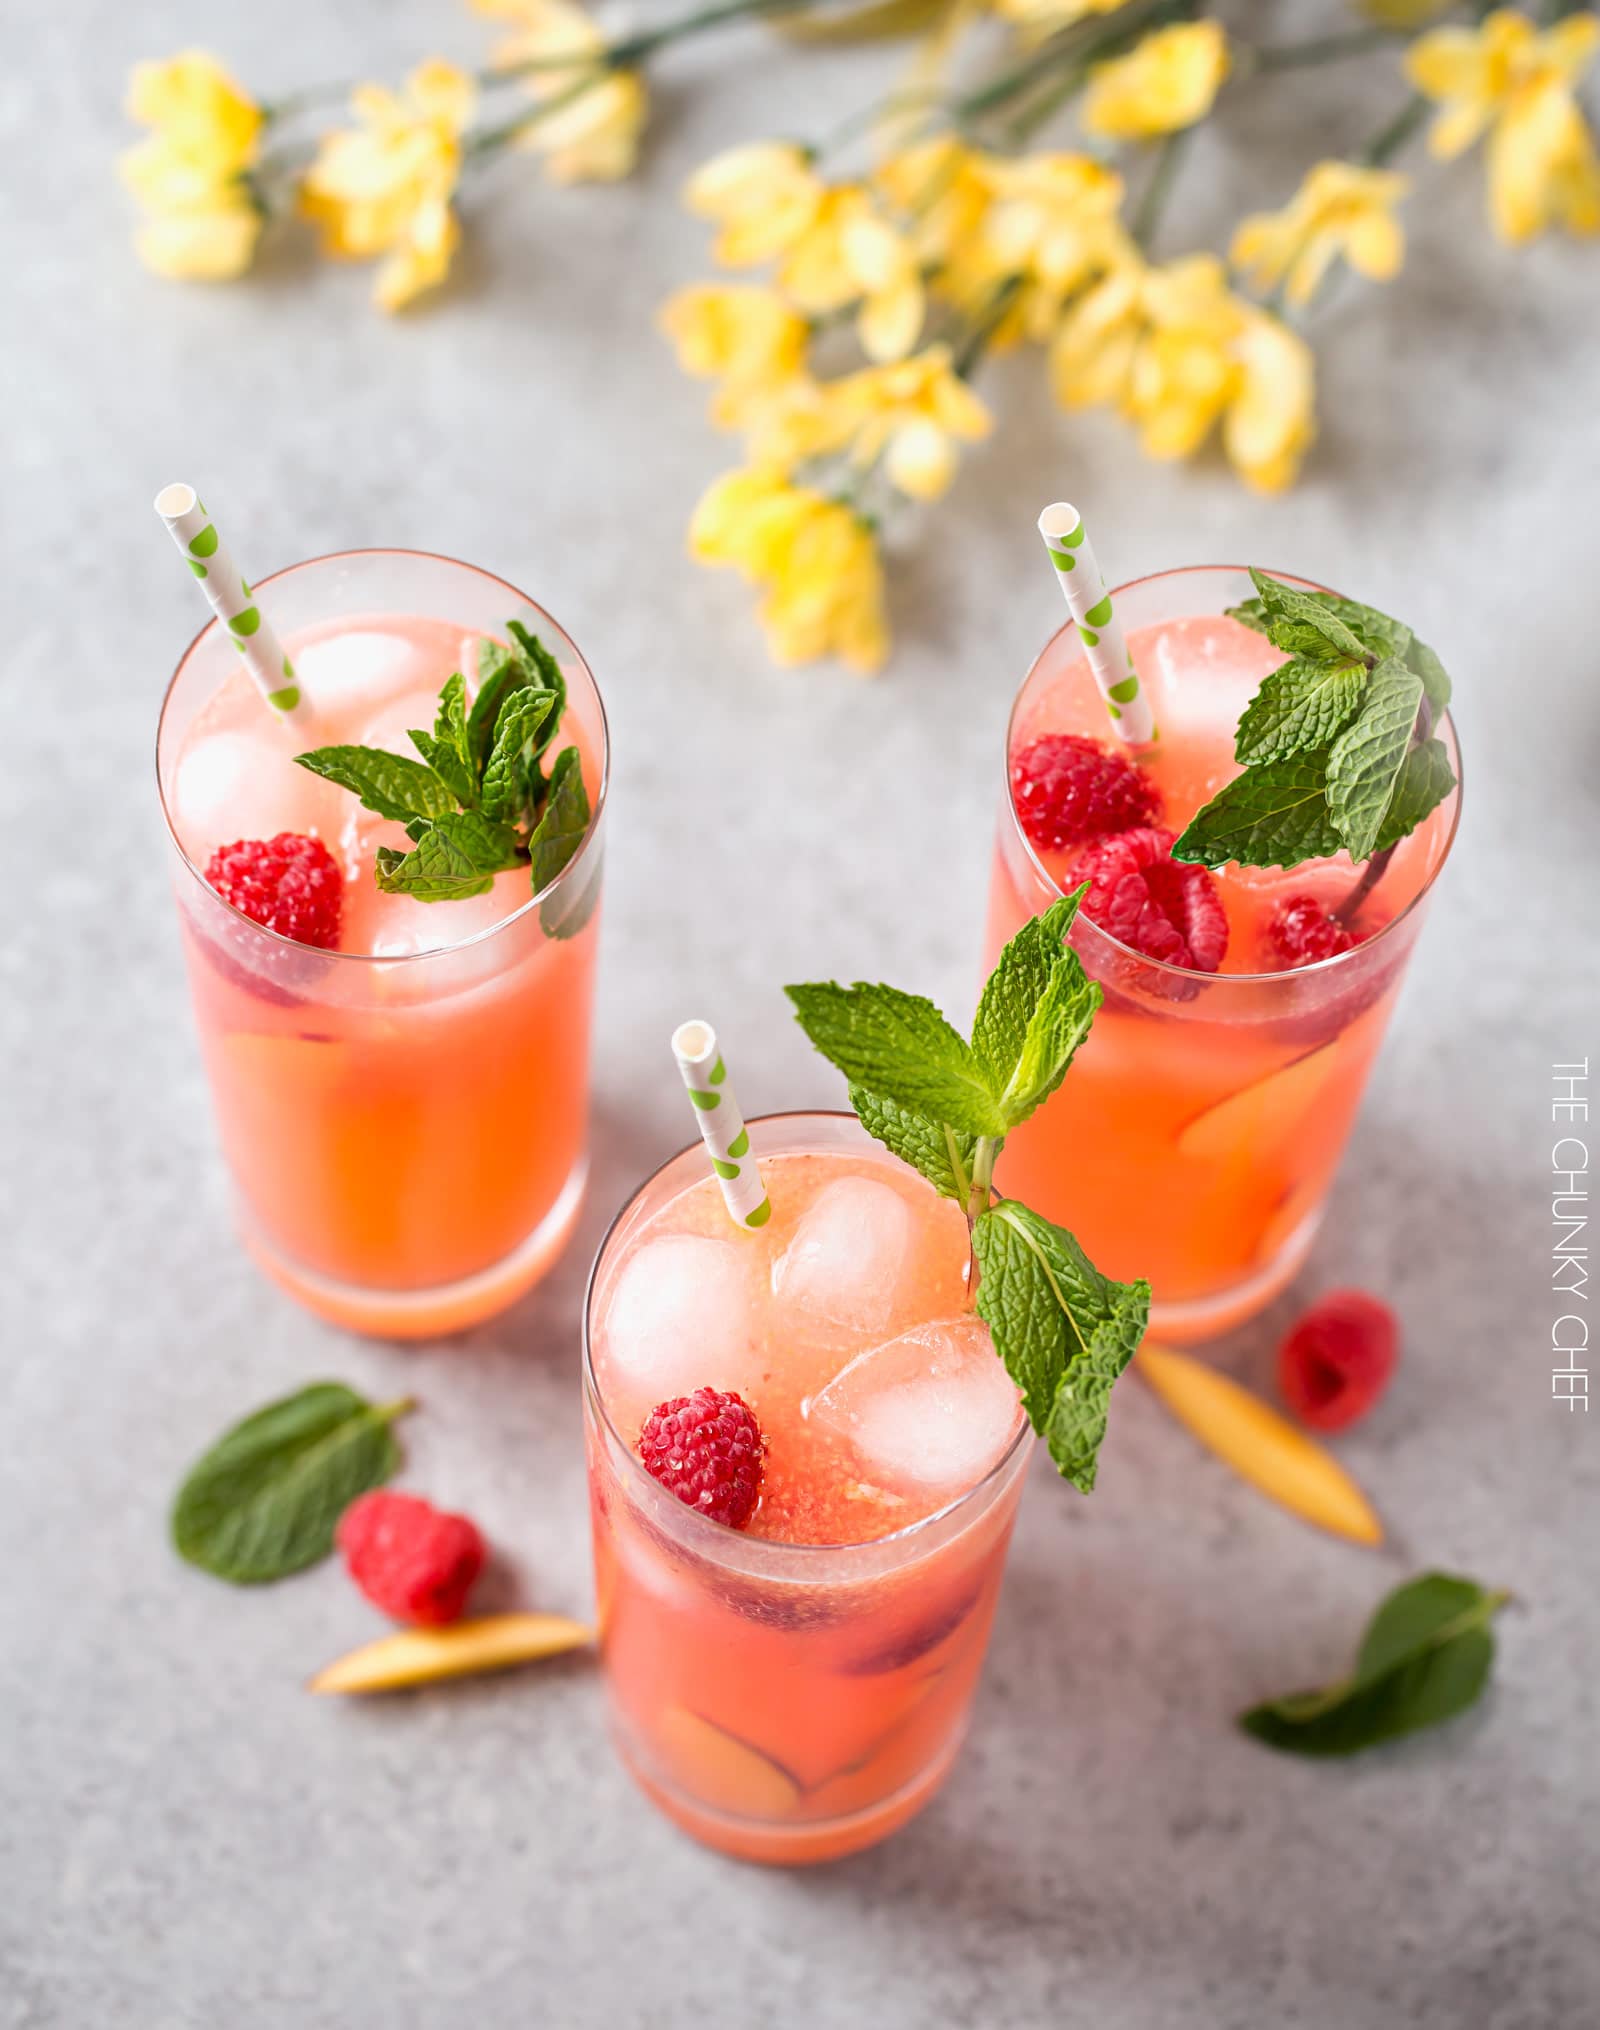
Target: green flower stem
{"points": [[1390, 139], [984, 326], [1086, 41], [1320, 49], [980, 1192], [1153, 198]]}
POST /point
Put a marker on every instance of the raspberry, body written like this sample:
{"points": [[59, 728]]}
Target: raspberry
{"points": [[707, 1450], [1301, 932], [1144, 897], [290, 884], [1067, 789], [1336, 1362], [409, 1558]]}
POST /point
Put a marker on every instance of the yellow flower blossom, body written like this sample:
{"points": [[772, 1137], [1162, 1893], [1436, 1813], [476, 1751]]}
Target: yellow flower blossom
{"points": [[1165, 82], [746, 337], [939, 193], [384, 186], [590, 132], [1177, 352], [1340, 208], [912, 415], [189, 174], [815, 558], [884, 267], [1054, 221], [1516, 83], [763, 194]]}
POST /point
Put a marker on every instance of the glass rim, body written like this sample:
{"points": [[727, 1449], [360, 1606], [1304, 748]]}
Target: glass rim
{"points": [[551, 887], [725, 1531], [1322, 967]]}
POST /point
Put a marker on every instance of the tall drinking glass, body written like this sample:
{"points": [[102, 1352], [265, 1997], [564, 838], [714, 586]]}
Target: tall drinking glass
{"points": [[404, 1117], [1198, 1137]]}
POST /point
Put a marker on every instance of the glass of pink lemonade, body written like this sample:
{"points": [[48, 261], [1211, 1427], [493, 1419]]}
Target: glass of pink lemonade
{"points": [[404, 1114], [1200, 1132], [797, 1689]]}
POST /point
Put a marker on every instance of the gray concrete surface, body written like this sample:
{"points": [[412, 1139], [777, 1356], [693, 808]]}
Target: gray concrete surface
{"points": [[187, 1838]]}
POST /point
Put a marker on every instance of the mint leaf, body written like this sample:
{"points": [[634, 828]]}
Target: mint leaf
{"points": [[563, 821], [1302, 623], [447, 764], [1364, 762], [1064, 1331], [1036, 1008], [512, 782], [458, 855], [942, 1155], [393, 785], [265, 1499], [540, 668], [1425, 1657], [1273, 816], [500, 672], [1386, 636], [1425, 780], [900, 1046], [1303, 703], [450, 721]]}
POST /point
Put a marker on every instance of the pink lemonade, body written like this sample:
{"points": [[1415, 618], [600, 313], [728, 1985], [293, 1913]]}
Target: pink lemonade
{"points": [[797, 1689], [1198, 1136], [404, 1117]]}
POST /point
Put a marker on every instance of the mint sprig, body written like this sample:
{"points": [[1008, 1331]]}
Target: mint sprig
{"points": [[479, 802], [1329, 744], [944, 1104]]}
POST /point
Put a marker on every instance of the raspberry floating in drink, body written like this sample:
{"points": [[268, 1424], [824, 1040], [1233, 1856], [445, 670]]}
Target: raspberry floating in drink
{"points": [[1303, 932], [707, 1450], [289, 883], [1146, 899], [1068, 789]]}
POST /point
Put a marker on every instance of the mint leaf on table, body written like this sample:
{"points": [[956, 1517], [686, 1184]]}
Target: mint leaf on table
{"points": [[265, 1499], [900, 1046], [944, 1106], [1301, 704], [1425, 1657], [1064, 1331], [1275, 815], [478, 802], [1364, 762], [943, 1155], [458, 855], [393, 785]]}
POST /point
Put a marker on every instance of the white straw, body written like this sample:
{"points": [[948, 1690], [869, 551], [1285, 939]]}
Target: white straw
{"points": [[232, 601], [1083, 586], [722, 1128]]}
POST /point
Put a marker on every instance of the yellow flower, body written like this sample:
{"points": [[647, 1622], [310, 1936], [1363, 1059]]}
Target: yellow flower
{"points": [[1516, 83], [1177, 352], [1054, 221], [384, 186], [815, 558], [1338, 209], [1165, 82], [888, 276], [189, 174], [746, 337], [939, 193], [763, 194], [912, 415], [1271, 419], [592, 136]]}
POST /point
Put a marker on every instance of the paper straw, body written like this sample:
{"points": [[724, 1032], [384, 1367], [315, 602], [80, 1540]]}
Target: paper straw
{"points": [[1083, 586], [722, 1128], [232, 601]]}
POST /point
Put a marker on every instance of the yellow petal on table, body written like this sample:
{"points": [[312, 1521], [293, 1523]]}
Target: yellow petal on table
{"points": [[424, 1656], [1260, 1445]]}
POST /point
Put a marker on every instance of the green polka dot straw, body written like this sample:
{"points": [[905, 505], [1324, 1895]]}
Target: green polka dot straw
{"points": [[232, 601], [722, 1128], [1084, 586]]}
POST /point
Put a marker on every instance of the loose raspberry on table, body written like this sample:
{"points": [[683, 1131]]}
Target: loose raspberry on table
{"points": [[411, 1559], [707, 1449], [1068, 789], [1336, 1362], [1159, 905], [1301, 931], [290, 884]]}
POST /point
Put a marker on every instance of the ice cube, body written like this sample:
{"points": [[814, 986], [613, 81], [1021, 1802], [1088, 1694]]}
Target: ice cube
{"points": [[849, 1255], [234, 785], [931, 1410], [347, 675], [679, 1319]]}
